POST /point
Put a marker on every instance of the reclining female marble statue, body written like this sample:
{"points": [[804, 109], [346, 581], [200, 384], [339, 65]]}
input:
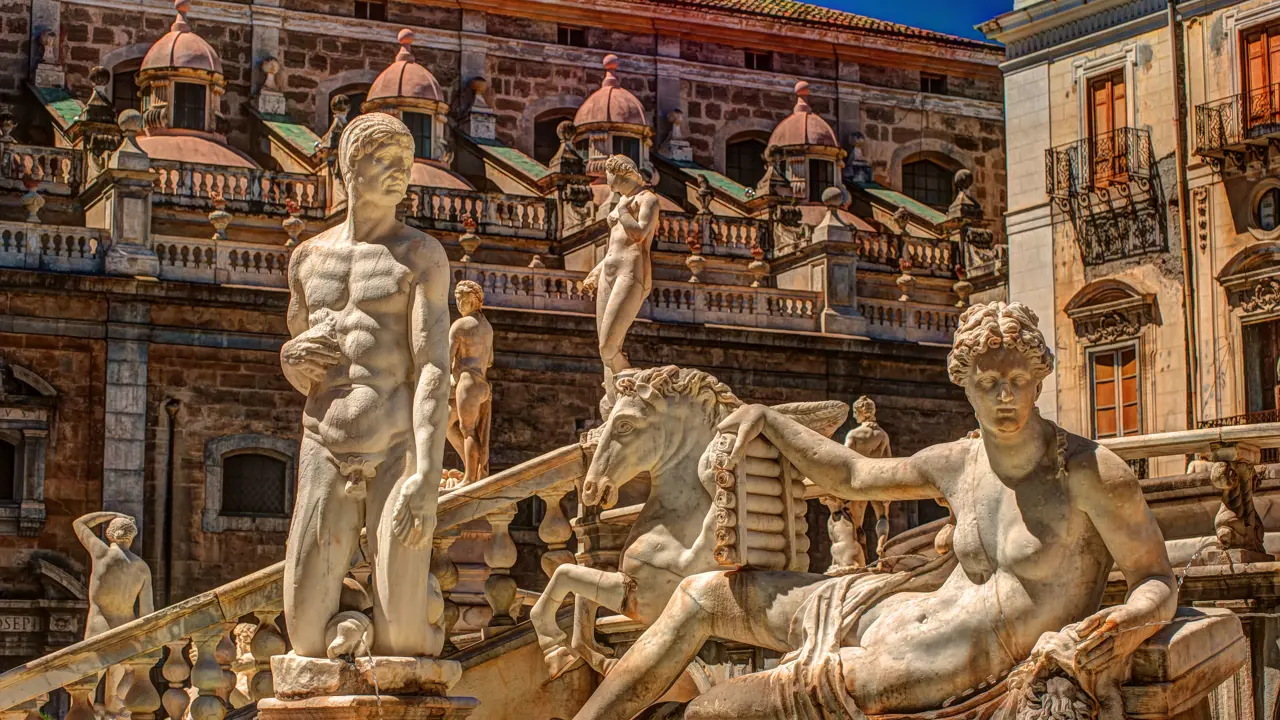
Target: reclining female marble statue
{"points": [[1040, 516]]}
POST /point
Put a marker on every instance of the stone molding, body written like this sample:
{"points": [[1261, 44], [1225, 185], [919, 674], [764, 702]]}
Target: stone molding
{"points": [[1086, 69], [1114, 320], [216, 451], [1251, 280], [1077, 28], [26, 422]]}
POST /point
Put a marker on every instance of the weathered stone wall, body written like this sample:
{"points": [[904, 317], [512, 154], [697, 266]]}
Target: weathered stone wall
{"points": [[15, 48]]}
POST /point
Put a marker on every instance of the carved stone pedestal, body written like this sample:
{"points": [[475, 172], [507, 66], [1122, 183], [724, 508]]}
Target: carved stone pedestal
{"points": [[380, 688]]}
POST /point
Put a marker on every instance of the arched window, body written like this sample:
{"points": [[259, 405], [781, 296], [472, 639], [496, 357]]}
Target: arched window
{"points": [[545, 140], [928, 182], [124, 87], [8, 471], [253, 483], [744, 160], [249, 483]]}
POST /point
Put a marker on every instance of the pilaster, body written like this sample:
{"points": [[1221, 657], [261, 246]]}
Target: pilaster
{"points": [[123, 452]]}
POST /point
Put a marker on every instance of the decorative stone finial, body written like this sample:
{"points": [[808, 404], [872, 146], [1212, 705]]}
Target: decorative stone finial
{"points": [[98, 108], [964, 209], [130, 121], [405, 38], [705, 195], [180, 22], [49, 46], [469, 241], [293, 224], [219, 218], [478, 86], [802, 92], [129, 156], [610, 65], [270, 67], [480, 121], [32, 201], [833, 198]]}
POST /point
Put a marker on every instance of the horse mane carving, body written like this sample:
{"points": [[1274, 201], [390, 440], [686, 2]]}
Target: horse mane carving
{"points": [[672, 381]]}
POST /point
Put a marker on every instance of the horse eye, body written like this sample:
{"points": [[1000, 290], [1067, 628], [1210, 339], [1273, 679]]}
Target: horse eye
{"points": [[624, 427]]}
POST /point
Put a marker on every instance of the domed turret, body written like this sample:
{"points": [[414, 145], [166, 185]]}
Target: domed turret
{"points": [[181, 79], [182, 48], [803, 127], [409, 91], [806, 151], [612, 122]]}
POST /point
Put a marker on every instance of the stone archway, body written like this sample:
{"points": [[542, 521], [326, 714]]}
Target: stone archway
{"points": [[537, 108], [329, 86]]}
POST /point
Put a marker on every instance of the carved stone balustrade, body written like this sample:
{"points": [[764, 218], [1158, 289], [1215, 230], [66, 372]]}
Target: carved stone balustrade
{"points": [[141, 698], [55, 248], [718, 234], [210, 261], [59, 170], [500, 589], [246, 190], [908, 321], [554, 530], [434, 208], [267, 641]]}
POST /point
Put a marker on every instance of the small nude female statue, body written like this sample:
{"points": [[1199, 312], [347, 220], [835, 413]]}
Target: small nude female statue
{"points": [[623, 279], [1041, 515]]}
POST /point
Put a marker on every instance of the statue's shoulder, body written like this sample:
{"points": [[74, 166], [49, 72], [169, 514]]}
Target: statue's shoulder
{"points": [[1091, 465], [425, 251]]}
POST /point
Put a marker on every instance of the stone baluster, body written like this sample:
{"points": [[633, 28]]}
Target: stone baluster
{"points": [[29, 710], [208, 676], [554, 530], [446, 572], [141, 698], [267, 641], [500, 588], [176, 672], [225, 654], [82, 694]]}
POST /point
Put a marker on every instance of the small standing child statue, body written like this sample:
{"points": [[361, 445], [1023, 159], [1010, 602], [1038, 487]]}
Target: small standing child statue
{"points": [[870, 440], [471, 403]]}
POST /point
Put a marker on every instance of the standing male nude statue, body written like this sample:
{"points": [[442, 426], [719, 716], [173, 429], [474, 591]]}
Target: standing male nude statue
{"points": [[369, 319], [624, 278], [869, 440], [470, 356], [119, 581]]}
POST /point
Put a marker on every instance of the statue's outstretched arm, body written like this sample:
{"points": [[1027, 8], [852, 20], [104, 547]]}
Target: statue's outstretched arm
{"points": [[835, 468], [84, 526]]}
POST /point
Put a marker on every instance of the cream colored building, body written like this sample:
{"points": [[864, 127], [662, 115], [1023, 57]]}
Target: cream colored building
{"points": [[1118, 233]]}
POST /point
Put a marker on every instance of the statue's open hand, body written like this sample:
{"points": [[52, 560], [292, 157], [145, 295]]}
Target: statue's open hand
{"points": [[748, 422], [591, 283], [414, 518], [312, 353], [1105, 640]]}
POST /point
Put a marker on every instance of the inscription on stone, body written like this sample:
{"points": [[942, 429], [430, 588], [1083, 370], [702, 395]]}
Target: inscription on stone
{"points": [[19, 623]]}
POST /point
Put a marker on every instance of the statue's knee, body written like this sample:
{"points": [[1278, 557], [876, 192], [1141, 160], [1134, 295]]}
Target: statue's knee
{"points": [[693, 593]]}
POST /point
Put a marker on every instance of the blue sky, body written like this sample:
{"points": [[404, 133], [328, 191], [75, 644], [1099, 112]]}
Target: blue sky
{"points": [[956, 17]]}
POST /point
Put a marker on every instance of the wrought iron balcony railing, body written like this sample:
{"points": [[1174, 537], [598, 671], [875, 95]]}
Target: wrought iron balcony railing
{"points": [[1229, 124], [1269, 455], [1099, 163]]}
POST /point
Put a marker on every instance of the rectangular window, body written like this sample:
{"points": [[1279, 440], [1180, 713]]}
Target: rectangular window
{"points": [[366, 10], [753, 60], [571, 36], [420, 128], [1261, 355], [1262, 74], [1108, 116], [124, 91], [933, 84], [189, 106], [1114, 390], [629, 146], [8, 471], [822, 175]]}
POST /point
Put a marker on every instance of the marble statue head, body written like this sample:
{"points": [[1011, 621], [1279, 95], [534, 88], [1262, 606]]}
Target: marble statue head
{"points": [[1000, 358], [376, 157], [121, 531], [469, 296], [659, 413], [864, 410], [622, 175]]}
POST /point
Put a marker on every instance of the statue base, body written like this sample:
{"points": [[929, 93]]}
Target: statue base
{"points": [[1234, 556], [379, 688]]}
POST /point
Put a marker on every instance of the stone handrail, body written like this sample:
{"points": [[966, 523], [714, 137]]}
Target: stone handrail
{"points": [[677, 302], [908, 321], [211, 261], [57, 170], [1183, 442], [206, 617], [494, 213], [250, 190], [718, 234], [50, 247]]}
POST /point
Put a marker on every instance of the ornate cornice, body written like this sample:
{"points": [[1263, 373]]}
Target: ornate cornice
{"points": [[1255, 294], [1065, 26], [1113, 321]]}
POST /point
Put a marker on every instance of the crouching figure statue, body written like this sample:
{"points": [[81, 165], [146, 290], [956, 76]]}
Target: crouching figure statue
{"points": [[1041, 515]]}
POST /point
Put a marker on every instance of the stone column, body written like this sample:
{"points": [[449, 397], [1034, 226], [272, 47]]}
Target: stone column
{"points": [[123, 459], [848, 102], [500, 588], [119, 202], [473, 59], [669, 99]]}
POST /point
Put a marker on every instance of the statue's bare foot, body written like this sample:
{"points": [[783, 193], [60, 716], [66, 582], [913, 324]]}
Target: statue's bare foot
{"points": [[560, 660]]}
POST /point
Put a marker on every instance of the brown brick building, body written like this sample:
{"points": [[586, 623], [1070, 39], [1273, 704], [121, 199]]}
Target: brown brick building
{"points": [[142, 257]]}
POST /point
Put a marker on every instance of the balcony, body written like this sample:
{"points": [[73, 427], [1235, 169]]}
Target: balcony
{"points": [[1230, 130], [1109, 188], [57, 171], [718, 235], [1269, 455], [432, 208], [247, 190]]}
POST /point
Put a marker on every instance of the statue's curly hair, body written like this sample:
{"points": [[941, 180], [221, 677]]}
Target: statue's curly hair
{"points": [[366, 133], [994, 325], [623, 165], [672, 381], [121, 528], [471, 288], [864, 405]]}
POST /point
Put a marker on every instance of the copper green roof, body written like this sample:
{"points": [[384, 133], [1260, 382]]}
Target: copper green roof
{"points": [[893, 197], [64, 108], [513, 157], [296, 134], [718, 181]]}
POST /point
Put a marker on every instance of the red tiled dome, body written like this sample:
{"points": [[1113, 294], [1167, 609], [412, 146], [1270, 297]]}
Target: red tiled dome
{"points": [[803, 127], [181, 48], [612, 103], [406, 78]]}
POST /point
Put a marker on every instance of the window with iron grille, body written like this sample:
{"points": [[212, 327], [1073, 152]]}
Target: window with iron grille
{"points": [[572, 36], [124, 90], [629, 146], [189, 106], [365, 10], [420, 128], [254, 484], [753, 60], [928, 182], [933, 84], [822, 175]]}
